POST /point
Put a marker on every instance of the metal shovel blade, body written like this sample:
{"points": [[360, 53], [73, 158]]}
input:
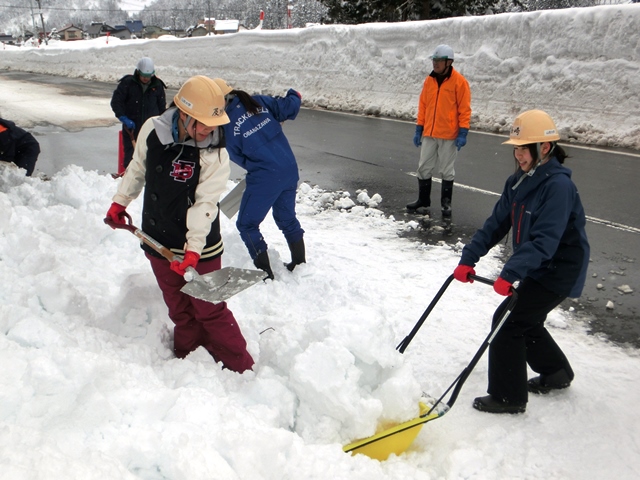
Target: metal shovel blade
{"points": [[222, 284], [231, 203]]}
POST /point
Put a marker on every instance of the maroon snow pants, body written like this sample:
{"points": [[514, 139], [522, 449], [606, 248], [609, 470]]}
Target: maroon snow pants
{"points": [[199, 323]]}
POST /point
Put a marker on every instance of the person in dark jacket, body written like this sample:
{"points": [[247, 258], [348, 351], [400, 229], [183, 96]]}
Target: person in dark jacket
{"points": [[541, 205], [137, 98], [256, 142], [18, 146], [183, 167]]}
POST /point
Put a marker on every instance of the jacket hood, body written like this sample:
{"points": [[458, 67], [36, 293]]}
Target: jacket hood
{"points": [[7, 123]]}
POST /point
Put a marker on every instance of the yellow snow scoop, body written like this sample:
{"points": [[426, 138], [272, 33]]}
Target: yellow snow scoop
{"points": [[400, 437], [395, 439]]}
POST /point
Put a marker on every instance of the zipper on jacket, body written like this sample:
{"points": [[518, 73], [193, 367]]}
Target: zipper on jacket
{"points": [[519, 224], [435, 111]]}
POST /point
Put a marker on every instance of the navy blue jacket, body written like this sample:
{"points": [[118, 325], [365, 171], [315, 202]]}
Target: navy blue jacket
{"points": [[18, 146], [257, 142], [549, 239]]}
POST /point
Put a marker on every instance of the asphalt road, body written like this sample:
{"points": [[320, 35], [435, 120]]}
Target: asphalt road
{"points": [[350, 152]]}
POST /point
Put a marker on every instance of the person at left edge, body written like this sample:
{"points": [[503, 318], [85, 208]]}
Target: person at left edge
{"points": [[181, 162], [18, 146], [137, 98]]}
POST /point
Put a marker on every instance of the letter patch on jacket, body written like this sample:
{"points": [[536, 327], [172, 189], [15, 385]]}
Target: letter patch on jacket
{"points": [[182, 170]]}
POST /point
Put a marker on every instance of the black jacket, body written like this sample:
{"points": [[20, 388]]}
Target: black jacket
{"points": [[171, 178], [18, 146], [131, 100]]}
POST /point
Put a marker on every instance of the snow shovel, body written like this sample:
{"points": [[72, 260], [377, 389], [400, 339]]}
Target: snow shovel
{"points": [[212, 287], [397, 439], [230, 204]]}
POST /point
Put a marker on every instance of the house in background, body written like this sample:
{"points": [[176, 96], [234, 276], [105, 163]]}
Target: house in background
{"points": [[226, 26], [198, 31], [122, 32], [99, 29], [70, 32], [135, 27], [7, 38], [152, 31]]}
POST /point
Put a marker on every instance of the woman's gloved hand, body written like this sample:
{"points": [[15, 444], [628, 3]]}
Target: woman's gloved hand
{"points": [[502, 287], [117, 213], [190, 260], [462, 272]]}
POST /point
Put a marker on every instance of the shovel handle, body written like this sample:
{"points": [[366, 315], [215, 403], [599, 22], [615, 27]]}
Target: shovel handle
{"points": [[146, 239], [480, 279]]}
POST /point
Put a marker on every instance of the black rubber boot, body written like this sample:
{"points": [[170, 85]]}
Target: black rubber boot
{"points": [[491, 404], [262, 262], [297, 254], [445, 198], [424, 196], [543, 384]]}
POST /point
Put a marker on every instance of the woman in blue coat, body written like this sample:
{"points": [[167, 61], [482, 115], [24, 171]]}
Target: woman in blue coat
{"points": [[256, 142], [541, 205]]}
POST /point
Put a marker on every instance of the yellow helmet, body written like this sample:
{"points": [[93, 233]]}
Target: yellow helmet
{"points": [[532, 126], [201, 98], [224, 86]]}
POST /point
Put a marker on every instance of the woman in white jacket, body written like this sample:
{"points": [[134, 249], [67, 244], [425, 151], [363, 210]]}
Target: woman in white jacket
{"points": [[181, 162]]}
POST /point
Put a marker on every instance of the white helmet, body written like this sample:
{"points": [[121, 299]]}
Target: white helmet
{"points": [[145, 67], [442, 52]]}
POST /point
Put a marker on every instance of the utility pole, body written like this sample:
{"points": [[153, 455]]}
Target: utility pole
{"points": [[209, 17], [44, 31], [33, 18]]}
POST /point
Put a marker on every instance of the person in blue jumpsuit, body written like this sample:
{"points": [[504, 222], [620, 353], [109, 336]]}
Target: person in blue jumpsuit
{"points": [[541, 205], [257, 143]]}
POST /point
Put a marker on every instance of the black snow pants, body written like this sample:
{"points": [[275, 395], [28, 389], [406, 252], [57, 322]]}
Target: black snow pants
{"points": [[522, 340]]}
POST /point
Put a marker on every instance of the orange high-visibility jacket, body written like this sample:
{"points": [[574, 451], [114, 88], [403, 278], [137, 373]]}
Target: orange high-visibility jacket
{"points": [[444, 109]]}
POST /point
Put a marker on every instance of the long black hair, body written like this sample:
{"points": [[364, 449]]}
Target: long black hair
{"points": [[556, 151], [250, 104]]}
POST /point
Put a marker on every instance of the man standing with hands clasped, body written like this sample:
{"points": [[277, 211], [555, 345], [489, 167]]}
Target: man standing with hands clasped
{"points": [[444, 115]]}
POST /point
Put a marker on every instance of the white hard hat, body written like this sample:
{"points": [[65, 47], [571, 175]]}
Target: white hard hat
{"points": [[443, 52], [145, 67]]}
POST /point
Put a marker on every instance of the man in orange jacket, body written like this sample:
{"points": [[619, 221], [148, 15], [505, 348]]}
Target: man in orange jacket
{"points": [[444, 114]]}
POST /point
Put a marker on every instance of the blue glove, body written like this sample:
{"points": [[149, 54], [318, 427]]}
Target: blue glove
{"points": [[461, 141], [417, 138], [127, 122]]}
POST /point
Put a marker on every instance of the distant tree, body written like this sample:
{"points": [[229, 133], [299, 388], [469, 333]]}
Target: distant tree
{"points": [[361, 11], [533, 5]]}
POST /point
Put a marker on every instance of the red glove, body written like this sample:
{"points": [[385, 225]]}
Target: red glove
{"points": [[117, 213], [190, 260], [462, 272], [502, 287]]}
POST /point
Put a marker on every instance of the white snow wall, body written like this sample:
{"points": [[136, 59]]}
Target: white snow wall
{"points": [[580, 65]]}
